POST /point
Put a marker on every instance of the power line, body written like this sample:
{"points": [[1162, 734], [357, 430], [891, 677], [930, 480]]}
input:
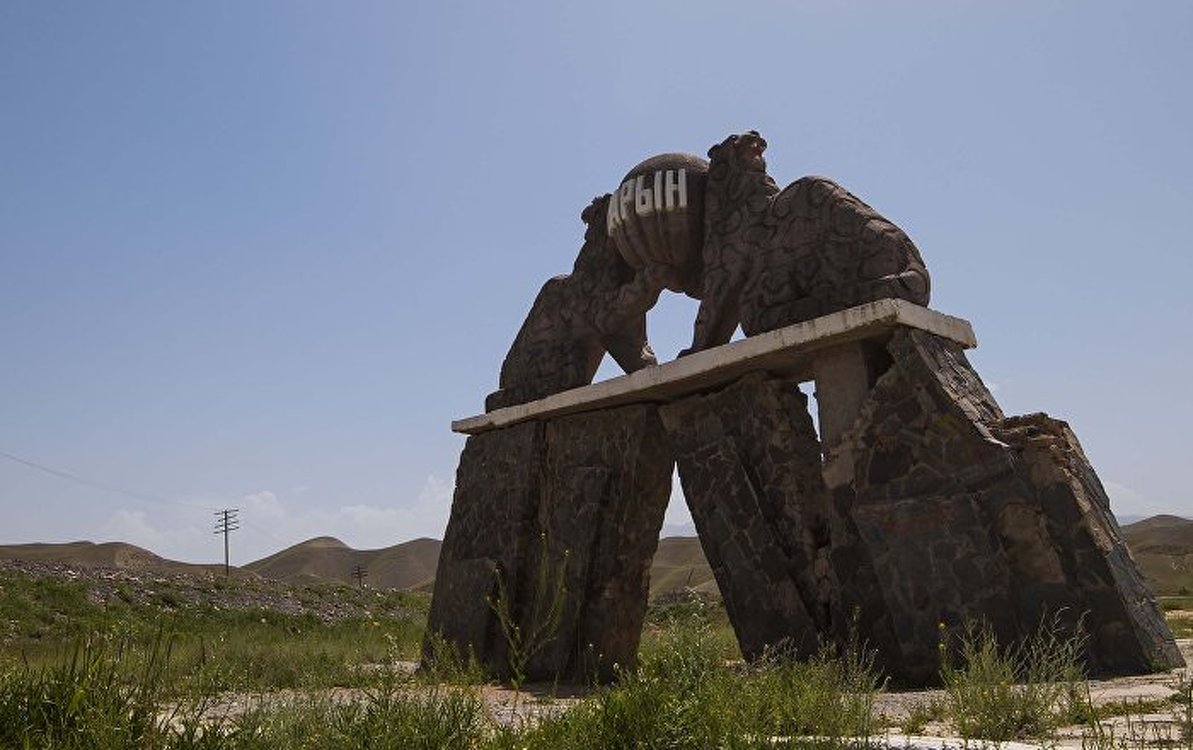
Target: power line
{"points": [[143, 497], [225, 524], [98, 485], [262, 530]]}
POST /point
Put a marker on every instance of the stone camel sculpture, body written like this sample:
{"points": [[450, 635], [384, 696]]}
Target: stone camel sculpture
{"points": [[772, 257], [599, 307], [722, 232]]}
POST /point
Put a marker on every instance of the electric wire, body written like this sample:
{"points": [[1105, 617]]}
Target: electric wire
{"points": [[84, 481], [69, 476]]}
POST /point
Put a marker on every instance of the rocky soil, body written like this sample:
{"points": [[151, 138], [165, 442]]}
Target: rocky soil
{"points": [[328, 602]]}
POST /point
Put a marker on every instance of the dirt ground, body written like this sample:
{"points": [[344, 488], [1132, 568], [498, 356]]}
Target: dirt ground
{"points": [[1136, 729]]}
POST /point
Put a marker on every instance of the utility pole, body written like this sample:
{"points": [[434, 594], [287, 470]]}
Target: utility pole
{"points": [[360, 574], [225, 523]]}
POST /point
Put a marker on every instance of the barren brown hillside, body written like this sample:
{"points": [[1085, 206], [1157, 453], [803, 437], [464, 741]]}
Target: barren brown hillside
{"points": [[410, 565], [1162, 545], [117, 555]]}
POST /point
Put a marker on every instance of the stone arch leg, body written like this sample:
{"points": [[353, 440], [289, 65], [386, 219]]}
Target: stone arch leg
{"points": [[576, 500], [749, 462]]}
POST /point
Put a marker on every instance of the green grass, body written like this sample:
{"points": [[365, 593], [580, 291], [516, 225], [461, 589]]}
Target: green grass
{"points": [[212, 648], [93, 700], [1173, 603], [127, 691], [1179, 611], [87, 700], [158, 671], [1024, 690], [684, 695], [33, 609]]}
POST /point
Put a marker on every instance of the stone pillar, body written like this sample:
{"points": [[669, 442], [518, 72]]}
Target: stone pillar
{"points": [[570, 505], [607, 485], [493, 530], [749, 462], [945, 512], [1065, 549]]}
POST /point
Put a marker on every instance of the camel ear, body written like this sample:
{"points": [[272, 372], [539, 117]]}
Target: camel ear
{"points": [[712, 152], [596, 209]]}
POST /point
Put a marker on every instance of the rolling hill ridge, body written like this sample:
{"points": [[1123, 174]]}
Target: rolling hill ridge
{"points": [[1161, 545]]}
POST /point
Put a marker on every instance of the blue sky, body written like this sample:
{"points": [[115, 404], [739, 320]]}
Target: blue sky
{"points": [[259, 255]]}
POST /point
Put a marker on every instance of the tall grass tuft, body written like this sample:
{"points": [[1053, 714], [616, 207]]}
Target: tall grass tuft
{"points": [[683, 695], [88, 701], [527, 633], [1026, 690], [85, 701]]}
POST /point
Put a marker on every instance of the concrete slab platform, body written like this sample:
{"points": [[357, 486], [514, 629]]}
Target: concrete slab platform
{"points": [[787, 351]]}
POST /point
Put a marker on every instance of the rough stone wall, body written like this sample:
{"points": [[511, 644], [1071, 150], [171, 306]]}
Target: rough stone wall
{"points": [[1070, 516], [608, 481], [749, 462], [948, 512], [493, 527], [932, 509], [576, 501]]}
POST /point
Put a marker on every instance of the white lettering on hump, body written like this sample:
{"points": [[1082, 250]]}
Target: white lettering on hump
{"points": [[612, 216], [675, 191], [626, 199], [643, 197], [665, 190]]}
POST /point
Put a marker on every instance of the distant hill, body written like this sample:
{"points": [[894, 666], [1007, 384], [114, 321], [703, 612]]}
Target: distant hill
{"points": [[409, 565], [679, 563], [117, 555], [1163, 548]]}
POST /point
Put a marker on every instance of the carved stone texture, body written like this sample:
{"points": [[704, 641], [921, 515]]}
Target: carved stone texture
{"points": [[1071, 514], [772, 258], [607, 485], [493, 529], [575, 502], [600, 307], [945, 511], [749, 462]]}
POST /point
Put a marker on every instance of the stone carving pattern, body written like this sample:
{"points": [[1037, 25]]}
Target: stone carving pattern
{"points": [[772, 257]]}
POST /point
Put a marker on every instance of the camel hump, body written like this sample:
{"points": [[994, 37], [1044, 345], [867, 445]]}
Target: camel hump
{"points": [[656, 216]]}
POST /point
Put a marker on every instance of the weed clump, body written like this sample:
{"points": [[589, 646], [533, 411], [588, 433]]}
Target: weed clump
{"points": [[1026, 690], [85, 701], [685, 695]]}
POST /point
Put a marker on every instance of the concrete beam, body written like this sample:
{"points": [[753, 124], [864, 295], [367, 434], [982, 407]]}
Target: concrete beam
{"points": [[788, 351]]}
